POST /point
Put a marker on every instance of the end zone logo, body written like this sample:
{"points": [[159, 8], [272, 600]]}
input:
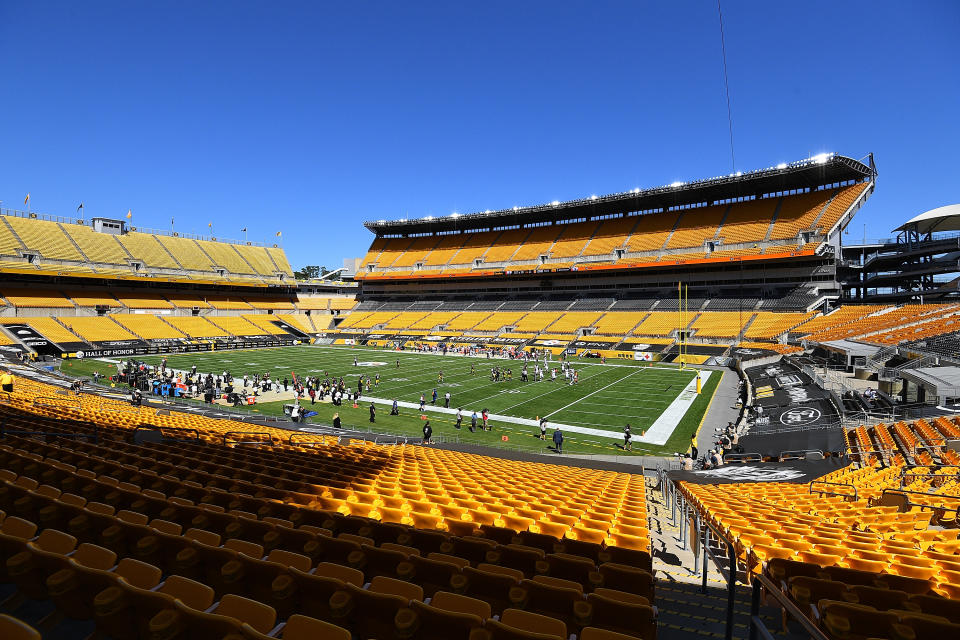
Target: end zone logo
{"points": [[799, 416]]}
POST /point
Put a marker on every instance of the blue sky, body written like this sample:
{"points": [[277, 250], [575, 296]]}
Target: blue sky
{"points": [[312, 117]]}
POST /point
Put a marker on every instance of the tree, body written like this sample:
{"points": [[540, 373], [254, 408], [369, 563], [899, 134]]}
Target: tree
{"points": [[309, 272]]}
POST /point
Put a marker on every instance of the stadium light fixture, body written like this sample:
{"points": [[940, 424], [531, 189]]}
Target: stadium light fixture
{"points": [[820, 158], [429, 218], [516, 208], [454, 215], [637, 190], [782, 165], [678, 183], [555, 203], [593, 197]]}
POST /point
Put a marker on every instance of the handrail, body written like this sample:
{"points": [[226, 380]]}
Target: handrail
{"points": [[927, 447], [925, 475], [856, 451], [742, 458], [731, 575], [48, 434], [115, 407], [58, 405], [759, 628], [270, 437], [196, 434], [833, 493], [784, 455], [910, 503], [921, 493], [305, 444], [906, 470]]}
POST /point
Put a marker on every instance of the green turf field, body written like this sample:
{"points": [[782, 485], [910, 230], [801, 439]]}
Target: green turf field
{"points": [[605, 399]]}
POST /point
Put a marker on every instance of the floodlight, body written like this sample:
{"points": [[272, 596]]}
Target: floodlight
{"points": [[678, 183], [782, 165], [555, 203]]}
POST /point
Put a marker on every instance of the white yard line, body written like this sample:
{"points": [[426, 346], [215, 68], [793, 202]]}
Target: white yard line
{"points": [[662, 427], [617, 381], [563, 385]]}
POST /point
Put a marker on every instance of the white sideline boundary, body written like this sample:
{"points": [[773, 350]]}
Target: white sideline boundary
{"points": [[657, 434]]}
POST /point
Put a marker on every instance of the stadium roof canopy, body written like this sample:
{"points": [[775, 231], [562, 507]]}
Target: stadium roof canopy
{"points": [[823, 169], [940, 219]]}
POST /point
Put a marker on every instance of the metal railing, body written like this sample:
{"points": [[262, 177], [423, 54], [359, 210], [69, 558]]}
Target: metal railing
{"points": [[267, 437], [705, 531], [95, 436], [923, 505], [162, 430], [57, 403], [758, 628], [933, 477], [825, 492], [32, 215], [742, 458], [798, 454]]}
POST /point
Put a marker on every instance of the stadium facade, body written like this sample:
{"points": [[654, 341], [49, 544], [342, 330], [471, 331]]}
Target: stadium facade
{"points": [[772, 234]]}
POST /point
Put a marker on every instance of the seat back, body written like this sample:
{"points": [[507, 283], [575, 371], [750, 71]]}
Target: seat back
{"points": [[193, 594], [534, 622], [258, 615], [300, 627]]}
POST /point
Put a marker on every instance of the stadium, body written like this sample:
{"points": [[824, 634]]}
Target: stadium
{"points": [[693, 407], [170, 453]]}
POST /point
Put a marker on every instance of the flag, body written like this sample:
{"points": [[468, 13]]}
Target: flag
{"points": [[210, 224], [27, 199], [129, 214], [278, 234], [80, 208], [171, 222], [244, 230]]}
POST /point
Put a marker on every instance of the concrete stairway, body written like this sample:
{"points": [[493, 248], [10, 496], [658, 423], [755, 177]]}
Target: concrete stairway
{"points": [[685, 612]]}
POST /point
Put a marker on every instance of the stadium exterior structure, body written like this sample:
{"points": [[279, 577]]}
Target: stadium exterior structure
{"points": [[920, 264], [800, 270]]}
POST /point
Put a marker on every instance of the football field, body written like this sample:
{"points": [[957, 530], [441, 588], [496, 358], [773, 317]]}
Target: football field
{"points": [[658, 401]]}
